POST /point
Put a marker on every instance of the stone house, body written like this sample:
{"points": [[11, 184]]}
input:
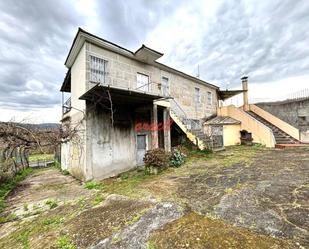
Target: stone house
{"points": [[123, 103]]}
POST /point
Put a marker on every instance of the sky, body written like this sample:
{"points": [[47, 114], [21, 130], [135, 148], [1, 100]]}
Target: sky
{"points": [[225, 39]]}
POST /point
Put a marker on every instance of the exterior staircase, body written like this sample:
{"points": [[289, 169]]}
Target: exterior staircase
{"points": [[192, 128], [196, 136], [280, 136]]}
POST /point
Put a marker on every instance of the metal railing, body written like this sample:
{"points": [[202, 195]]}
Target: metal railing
{"points": [[191, 124], [66, 107]]}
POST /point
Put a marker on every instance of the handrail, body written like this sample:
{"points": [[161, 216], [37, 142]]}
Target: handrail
{"points": [[187, 121], [66, 107]]}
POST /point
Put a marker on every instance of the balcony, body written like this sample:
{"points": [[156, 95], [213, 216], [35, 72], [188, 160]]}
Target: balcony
{"points": [[66, 107]]}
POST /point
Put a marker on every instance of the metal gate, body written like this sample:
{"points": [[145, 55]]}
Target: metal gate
{"points": [[217, 136]]}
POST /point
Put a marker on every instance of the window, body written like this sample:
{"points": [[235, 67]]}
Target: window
{"points": [[98, 69], [165, 86], [197, 96], [142, 82], [209, 98]]}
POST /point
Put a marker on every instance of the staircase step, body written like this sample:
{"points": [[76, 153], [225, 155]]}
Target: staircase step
{"points": [[280, 136]]}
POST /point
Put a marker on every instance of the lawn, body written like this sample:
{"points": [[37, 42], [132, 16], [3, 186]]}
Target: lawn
{"points": [[40, 157]]}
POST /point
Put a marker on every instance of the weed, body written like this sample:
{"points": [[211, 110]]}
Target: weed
{"points": [[23, 238], [8, 218], [93, 185], [51, 203], [25, 206], [65, 243], [53, 220], [98, 199]]}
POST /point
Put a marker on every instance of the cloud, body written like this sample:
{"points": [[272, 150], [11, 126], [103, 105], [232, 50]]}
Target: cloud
{"points": [[266, 40], [35, 36], [226, 38]]}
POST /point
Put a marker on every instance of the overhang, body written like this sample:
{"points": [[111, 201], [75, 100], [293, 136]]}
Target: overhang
{"points": [[226, 94], [222, 120], [66, 85], [119, 96], [147, 54]]}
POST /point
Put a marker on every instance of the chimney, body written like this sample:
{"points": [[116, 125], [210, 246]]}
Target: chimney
{"points": [[244, 81]]}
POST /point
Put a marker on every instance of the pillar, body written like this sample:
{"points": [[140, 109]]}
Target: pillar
{"points": [[154, 122], [167, 129], [244, 81]]}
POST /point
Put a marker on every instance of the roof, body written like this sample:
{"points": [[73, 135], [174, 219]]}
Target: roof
{"points": [[143, 54], [226, 94], [220, 120], [120, 96]]}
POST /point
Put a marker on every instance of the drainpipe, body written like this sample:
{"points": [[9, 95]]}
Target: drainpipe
{"points": [[244, 81]]}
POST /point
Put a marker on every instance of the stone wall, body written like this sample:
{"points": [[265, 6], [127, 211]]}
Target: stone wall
{"points": [[122, 73], [294, 112]]}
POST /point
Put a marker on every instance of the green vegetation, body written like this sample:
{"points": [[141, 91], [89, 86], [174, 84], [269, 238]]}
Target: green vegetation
{"points": [[93, 185], [53, 220], [23, 238], [51, 203], [40, 157], [10, 184], [25, 206], [65, 243]]}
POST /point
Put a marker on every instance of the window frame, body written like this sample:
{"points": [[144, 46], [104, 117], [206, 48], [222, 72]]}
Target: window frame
{"points": [[98, 71], [142, 87], [209, 97], [167, 86], [197, 95]]}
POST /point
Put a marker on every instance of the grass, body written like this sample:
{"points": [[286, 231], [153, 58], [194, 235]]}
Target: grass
{"points": [[40, 157], [23, 238], [51, 203], [10, 184], [65, 243], [93, 185]]}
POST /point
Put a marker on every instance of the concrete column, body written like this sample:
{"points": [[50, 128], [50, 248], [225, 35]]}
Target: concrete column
{"points": [[154, 124], [167, 129], [244, 81]]}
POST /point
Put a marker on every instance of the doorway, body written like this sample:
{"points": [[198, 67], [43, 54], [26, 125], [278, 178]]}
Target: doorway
{"points": [[141, 148]]}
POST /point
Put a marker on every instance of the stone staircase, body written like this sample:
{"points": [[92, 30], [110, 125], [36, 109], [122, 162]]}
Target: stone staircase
{"points": [[280, 136]]}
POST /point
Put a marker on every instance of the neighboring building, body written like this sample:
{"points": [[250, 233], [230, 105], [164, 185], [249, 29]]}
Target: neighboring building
{"points": [[115, 92], [293, 111]]}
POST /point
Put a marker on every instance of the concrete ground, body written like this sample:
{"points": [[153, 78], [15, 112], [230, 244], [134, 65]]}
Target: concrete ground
{"points": [[243, 197]]}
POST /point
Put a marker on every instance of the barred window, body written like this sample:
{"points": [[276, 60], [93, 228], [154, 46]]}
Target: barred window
{"points": [[98, 69]]}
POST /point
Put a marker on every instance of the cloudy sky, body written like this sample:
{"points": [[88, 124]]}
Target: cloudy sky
{"points": [[268, 40]]}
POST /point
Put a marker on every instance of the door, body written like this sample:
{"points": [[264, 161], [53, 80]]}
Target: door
{"points": [[217, 136], [141, 148], [165, 86]]}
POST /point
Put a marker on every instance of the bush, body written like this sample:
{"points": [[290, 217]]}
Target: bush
{"points": [[177, 157], [156, 158]]}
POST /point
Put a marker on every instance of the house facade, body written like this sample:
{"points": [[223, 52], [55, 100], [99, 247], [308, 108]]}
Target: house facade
{"points": [[113, 93], [123, 103]]}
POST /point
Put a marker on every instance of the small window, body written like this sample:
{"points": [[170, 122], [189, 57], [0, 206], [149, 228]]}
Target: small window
{"points": [[209, 98], [165, 86], [197, 95], [142, 82], [98, 69]]}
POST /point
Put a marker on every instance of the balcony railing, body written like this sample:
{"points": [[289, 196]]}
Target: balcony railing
{"points": [[66, 106]]}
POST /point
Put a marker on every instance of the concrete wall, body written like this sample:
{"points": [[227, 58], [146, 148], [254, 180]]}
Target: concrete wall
{"points": [[231, 134], [282, 125], [260, 133], [294, 112], [111, 150], [122, 73]]}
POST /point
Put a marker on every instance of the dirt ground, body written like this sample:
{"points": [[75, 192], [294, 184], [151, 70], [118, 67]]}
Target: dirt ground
{"points": [[243, 197]]}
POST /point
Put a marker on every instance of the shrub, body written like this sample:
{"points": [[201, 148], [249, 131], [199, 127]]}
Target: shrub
{"points": [[156, 158], [177, 157]]}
